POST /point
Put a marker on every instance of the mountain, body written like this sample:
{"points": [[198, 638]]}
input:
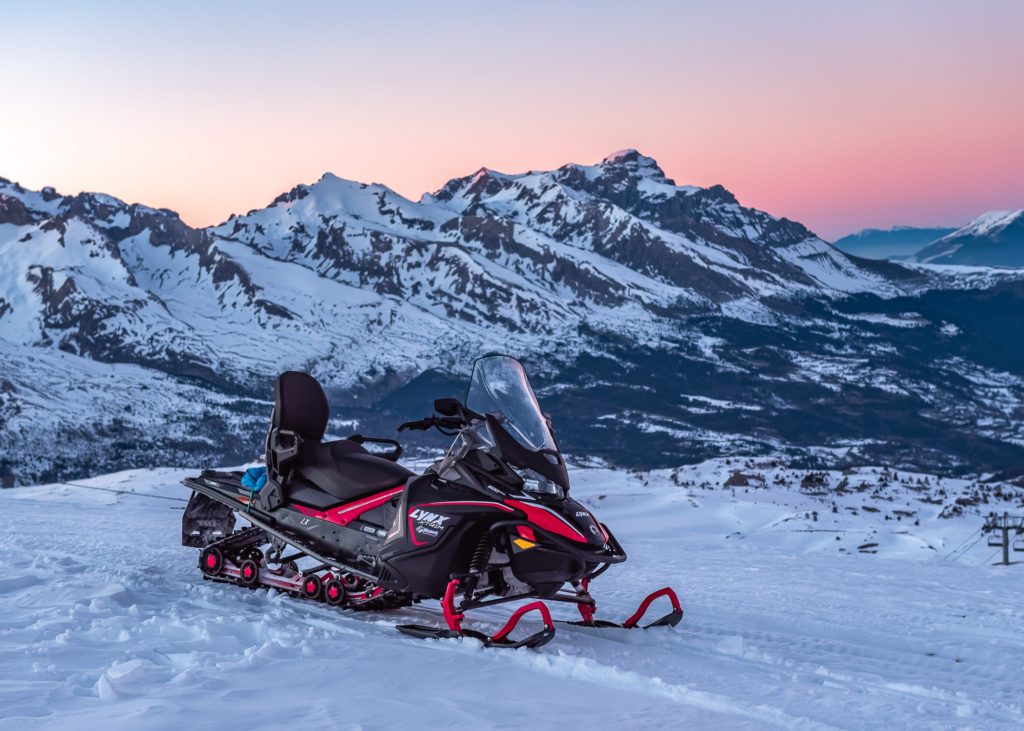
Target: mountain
{"points": [[994, 239], [661, 324], [898, 242]]}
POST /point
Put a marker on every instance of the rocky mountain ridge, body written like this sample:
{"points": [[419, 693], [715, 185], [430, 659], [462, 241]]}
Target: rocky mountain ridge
{"points": [[995, 238], [662, 323], [896, 243]]}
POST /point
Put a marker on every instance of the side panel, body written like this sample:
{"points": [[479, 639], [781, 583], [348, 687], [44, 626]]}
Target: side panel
{"points": [[437, 529]]}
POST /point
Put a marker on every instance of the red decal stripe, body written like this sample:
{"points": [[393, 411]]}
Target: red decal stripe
{"points": [[548, 520], [465, 502], [345, 514], [412, 534]]}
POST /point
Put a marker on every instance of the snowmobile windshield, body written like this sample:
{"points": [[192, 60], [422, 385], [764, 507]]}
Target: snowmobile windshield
{"points": [[499, 387]]}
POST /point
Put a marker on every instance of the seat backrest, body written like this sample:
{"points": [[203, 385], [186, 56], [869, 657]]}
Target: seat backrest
{"points": [[297, 425], [300, 406]]}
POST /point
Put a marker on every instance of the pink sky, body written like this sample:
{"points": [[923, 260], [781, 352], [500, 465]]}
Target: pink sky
{"points": [[839, 115]]}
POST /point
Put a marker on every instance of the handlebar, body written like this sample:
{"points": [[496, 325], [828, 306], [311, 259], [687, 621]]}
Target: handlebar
{"points": [[429, 422], [393, 455]]}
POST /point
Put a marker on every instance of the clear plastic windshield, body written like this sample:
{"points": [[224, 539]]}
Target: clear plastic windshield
{"points": [[499, 386]]}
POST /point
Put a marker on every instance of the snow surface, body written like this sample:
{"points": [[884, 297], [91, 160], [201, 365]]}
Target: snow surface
{"points": [[104, 620]]}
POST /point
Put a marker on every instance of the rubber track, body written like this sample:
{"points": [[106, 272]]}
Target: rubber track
{"points": [[239, 540]]}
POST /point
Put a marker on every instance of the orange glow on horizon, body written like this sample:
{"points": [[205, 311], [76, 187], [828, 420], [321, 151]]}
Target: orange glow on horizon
{"points": [[840, 118]]}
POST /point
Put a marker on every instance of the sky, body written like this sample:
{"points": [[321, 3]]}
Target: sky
{"points": [[841, 115]]}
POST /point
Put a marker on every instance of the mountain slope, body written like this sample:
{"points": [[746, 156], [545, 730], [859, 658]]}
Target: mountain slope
{"points": [[994, 239], [660, 322], [896, 243]]}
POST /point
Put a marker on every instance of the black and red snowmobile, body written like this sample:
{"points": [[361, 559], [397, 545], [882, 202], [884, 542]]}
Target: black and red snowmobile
{"points": [[491, 522]]}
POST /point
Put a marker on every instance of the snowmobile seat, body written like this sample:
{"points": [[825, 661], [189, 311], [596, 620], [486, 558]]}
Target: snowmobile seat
{"points": [[308, 494], [342, 468], [347, 471]]}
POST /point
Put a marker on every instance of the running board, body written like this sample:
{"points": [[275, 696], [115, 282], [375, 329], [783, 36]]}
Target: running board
{"points": [[281, 536]]}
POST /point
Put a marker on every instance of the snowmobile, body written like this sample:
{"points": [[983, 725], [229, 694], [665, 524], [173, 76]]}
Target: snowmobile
{"points": [[491, 522]]}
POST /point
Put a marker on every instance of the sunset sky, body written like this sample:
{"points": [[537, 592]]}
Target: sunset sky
{"points": [[841, 115]]}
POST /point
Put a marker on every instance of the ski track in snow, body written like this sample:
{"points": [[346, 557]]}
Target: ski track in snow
{"points": [[106, 622]]}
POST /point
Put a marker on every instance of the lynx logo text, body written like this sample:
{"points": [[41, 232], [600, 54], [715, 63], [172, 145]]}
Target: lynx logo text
{"points": [[424, 517]]}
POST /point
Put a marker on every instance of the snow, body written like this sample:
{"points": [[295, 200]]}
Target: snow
{"points": [[987, 223], [716, 404], [906, 320], [105, 621], [619, 156]]}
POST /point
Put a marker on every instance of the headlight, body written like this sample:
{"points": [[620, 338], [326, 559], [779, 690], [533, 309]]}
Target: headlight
{"points": [[538, 485]]}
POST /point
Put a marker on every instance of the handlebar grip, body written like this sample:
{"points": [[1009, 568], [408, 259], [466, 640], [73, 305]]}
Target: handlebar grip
{"points": [[447, 422], [421, 425]]}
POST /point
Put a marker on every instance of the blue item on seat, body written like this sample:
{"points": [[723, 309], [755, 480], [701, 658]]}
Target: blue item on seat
{"points": [[255, 478]]}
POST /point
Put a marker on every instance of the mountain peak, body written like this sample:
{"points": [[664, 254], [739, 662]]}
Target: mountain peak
{"points": [[990, 222], [622, 156], [329, 178], [995, 238], [627, 155], [635, 162]]}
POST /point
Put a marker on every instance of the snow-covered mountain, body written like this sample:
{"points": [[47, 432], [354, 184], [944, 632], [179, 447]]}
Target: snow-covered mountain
{"points": [[898, 242], [994, 239], [490, 256], [661, 323]]}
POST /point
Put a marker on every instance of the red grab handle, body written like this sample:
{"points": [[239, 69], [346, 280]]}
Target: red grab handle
{"points": [[667, 591], [516, 615]]}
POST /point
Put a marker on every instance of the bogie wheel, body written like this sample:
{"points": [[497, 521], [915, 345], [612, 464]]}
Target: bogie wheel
{"points": [[334, 593], [211, 561], [249, 574], [312, 587]]}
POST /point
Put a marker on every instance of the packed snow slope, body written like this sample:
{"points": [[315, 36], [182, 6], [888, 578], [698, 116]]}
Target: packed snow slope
{"points": [[813, 600], [662, 322]]}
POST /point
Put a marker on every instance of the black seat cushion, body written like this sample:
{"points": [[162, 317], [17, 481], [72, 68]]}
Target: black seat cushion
{"points": [[347, 471], [308, 494]]}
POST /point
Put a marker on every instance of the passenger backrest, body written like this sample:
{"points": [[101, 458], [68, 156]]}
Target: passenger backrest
{"points": [[297, 423], [300, 405]]}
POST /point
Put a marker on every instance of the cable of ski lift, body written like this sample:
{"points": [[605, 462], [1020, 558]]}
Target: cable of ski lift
{"points": [[124, 492]]}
